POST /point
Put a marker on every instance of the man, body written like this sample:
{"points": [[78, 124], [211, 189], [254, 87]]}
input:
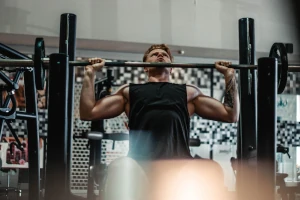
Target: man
{"points": [[159, 115]]}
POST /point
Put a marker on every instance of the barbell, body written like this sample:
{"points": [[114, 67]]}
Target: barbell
{"points": [[40, 64], [46, 61]]}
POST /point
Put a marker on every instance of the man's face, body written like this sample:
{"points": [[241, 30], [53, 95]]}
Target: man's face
{"points": [[158, 55]]}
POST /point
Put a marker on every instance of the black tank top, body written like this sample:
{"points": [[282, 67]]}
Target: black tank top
{"points": [[159, 121]]}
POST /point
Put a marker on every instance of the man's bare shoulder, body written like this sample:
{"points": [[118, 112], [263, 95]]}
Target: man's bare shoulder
{"points": [[122, 88], [193, 88], [192, 91], [123, 91]]}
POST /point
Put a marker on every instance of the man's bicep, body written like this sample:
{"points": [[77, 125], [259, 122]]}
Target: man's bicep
{"points": [[210, 108], [108, 107]]}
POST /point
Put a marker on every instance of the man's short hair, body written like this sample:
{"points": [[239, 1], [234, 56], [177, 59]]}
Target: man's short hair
{"points": [[158, 46]]}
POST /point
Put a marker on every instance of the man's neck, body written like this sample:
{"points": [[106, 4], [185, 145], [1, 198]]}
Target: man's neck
{"points": [[159, 78]]}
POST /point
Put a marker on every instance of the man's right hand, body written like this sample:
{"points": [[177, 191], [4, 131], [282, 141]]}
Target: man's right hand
{"points": [[96, 65]]}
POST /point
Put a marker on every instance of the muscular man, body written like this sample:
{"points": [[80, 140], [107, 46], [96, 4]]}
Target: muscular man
{"points": [[158, 111]]}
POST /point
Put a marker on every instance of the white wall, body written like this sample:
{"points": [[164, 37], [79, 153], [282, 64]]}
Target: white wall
{"points": [[195, 23]]}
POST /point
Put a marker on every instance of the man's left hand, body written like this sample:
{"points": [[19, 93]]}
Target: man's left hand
{"points": [[223, 67]]}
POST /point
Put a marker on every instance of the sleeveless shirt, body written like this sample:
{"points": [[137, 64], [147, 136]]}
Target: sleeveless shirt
{"points": [[159, 121]]}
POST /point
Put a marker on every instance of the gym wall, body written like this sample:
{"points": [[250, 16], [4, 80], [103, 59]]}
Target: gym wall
{"points": [[129, 24]]}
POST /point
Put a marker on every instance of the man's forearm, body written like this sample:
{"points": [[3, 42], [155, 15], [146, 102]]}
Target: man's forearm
{"points": [[87, 96], [231, 100]]}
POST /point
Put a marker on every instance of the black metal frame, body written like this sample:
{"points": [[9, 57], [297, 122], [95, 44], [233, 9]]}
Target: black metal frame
{"points": [[31, 115], [257, 130], [67, 45], [57, 141], [266, 128], [247, 125], [61, 95]]}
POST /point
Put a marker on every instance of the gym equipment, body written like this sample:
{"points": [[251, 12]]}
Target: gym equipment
{"points": [[30, 115], [40, 64], [278, 50], [39, 52]]}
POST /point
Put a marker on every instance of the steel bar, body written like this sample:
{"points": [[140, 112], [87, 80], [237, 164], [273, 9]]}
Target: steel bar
{"points": [[293, 68], [30, 63], [24, 115]]}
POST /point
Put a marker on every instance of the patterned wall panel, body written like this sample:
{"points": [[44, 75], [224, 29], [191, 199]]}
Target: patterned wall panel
{"points": [[199, 77], [293, 83]]}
